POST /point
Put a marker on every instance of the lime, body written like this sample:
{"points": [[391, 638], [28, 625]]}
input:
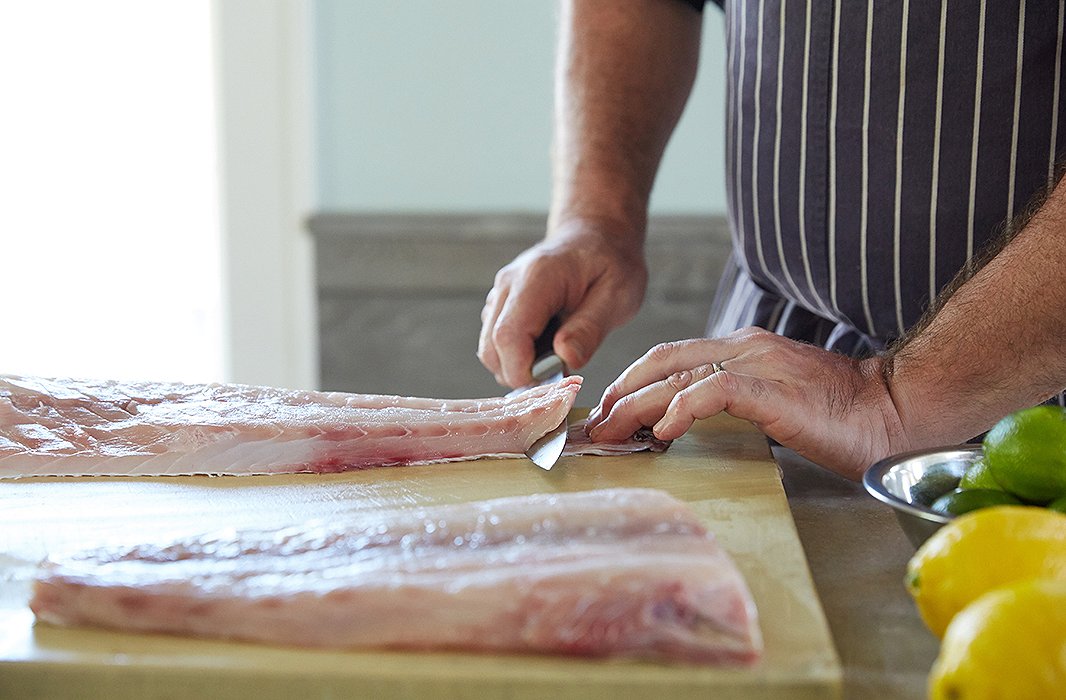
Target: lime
{"points": [[937, 480], [1026, 453], [978, 476], [1058, 504], [962, 501]]}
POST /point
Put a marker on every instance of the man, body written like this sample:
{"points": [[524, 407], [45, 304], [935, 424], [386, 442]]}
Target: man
{"points": [[874, 150]]}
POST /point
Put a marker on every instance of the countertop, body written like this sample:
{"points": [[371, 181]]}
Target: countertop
{"points": [[857, 554]]}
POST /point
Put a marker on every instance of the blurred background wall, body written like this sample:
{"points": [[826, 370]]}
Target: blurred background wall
{"points": [[446, 106], [433, 127]]}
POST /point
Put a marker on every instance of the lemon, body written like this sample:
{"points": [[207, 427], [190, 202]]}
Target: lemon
{"points": [[982, 550], [978, 476], [1009, 643], [1026, 453], [962, 501]]}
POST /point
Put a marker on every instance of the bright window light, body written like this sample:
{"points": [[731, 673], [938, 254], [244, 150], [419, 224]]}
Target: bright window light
{"points": [[109, 222]]}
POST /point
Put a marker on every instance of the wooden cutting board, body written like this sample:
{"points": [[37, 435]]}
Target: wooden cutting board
{"points": [[723, 468]]}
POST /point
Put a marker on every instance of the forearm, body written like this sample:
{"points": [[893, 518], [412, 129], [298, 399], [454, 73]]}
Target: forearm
{"points": [[624, 71], [998, 344]]}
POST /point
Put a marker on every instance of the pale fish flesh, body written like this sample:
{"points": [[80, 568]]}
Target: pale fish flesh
{"points": [[66, 427], [616, 572]]}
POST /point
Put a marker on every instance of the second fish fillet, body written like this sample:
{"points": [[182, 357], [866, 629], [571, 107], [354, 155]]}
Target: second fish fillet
{"points": [[615, 572]]}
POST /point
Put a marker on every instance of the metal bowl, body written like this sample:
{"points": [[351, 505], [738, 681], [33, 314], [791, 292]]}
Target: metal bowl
{"points": [[911, 481]]}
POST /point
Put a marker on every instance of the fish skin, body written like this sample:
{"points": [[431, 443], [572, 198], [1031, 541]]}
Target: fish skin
{"points": [[67, 427], [578, 443], [615, 572]]}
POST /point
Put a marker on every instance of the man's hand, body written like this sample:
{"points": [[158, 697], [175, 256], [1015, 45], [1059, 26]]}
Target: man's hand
{"points": [[623, 73], [593, 278], [834, 410]]}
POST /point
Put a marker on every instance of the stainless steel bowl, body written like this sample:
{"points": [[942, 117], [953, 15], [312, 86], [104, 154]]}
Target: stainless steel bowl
{"points": [[911, 481]]}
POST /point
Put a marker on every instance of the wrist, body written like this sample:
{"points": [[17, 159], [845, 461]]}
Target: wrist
{"points": [[599, 235], [605, 200], [896, 433]]}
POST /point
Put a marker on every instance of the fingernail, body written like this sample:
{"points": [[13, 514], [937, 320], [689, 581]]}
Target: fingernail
{"points": [[593, 419]]}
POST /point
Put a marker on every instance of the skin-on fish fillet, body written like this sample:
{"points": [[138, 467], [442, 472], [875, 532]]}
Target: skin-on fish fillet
{"points": [[64, 427], [617, 572]]}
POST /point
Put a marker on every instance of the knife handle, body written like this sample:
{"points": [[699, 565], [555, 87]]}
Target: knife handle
{"points": [[545, 362], [543, 344]]}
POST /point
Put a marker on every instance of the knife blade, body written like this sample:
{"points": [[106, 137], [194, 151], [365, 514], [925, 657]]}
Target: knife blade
{"points": [[547, 368]]}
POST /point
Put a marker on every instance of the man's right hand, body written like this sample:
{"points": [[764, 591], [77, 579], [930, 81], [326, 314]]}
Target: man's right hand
{"points": [[623, 74], [590, 275]]}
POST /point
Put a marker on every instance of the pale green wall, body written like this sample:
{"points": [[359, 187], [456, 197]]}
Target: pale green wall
{"points": [[425, 105]]}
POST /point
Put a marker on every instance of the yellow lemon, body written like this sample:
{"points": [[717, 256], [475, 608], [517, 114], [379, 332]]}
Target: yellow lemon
{"points": [[1026, 453], [982, 550], [1009, 643]]}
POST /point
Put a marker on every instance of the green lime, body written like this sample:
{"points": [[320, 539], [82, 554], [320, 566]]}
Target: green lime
{"points": [[962, 501], [978, 476], [1058, 504], [937, 480], [1026, 453]]}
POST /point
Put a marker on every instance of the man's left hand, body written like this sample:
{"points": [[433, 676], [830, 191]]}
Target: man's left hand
{"points": [[836, 411]]}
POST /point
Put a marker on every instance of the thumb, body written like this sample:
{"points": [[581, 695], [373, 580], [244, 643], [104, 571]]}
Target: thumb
{"points": [[604, 308], [581, 334]]}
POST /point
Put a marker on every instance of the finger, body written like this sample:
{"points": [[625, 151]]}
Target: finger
{"points": [[647, 406], [517, 327], [750, 398], [486, 349], [583, 330], [655, 365], [666, 358]]}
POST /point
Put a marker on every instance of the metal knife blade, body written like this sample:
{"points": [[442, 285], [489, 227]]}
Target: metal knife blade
{"points": [[547, 368]]}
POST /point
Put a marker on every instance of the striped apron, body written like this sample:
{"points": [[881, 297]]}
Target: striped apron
{"points": [[873, 148]]}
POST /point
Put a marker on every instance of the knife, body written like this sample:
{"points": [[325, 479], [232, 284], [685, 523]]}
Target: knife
{"points": [[547, 368]]}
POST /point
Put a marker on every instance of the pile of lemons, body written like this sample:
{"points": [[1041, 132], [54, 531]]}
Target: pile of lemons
{"points": [[992, 582]]}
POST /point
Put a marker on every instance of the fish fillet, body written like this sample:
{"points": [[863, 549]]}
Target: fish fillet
{"points": [[616, 572], [64, 427]]}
